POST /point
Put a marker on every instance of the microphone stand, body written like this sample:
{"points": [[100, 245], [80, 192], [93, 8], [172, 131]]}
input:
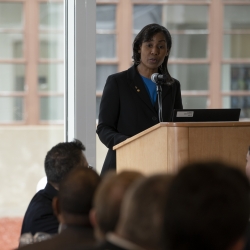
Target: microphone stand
{"points": [[159, 95]]}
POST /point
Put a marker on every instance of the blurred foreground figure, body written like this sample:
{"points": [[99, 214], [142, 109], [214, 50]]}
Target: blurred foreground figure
{"points": [[72, 207], [141, 219], [107, 202], [207, 208]]}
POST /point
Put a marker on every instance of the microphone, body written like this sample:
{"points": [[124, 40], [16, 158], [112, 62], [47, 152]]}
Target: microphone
{"points": [[159, 78]]}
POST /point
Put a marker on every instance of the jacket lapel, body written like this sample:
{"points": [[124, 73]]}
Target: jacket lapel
{"points": [[138, 87]]}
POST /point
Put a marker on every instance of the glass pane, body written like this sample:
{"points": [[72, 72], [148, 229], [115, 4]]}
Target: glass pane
{"points": [[145, 14], [174, 17], [105, 46], [106, 17], [12, 77], [242, 102], [189, 46], [13, 109], [11, 45], [51, 77], [190, 76], [194, 102], [51, 16], [102, 73], [235, 77], [236, 46], [27, 139], [11, 15], [236, 17], [51, 46], [160, 1], [185, 17], [51, 108]]}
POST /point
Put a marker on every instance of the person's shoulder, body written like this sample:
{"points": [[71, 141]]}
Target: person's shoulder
{"points": [[119, 75], [175, 81]]}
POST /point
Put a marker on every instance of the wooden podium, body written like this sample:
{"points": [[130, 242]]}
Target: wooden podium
{"points": [[165, 147]]}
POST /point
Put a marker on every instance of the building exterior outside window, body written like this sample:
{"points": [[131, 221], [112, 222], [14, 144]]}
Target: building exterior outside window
{"points": [[210, 55]]}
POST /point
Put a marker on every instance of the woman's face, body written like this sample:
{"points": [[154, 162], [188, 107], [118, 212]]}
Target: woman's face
{"points": [[153, 52]]}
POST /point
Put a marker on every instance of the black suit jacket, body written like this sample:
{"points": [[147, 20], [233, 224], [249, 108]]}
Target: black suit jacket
{"points": [[66, 240], [126, 110], [39, 216]]}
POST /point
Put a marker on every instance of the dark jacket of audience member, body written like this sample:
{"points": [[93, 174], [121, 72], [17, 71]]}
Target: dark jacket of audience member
{"points": [[63, 157], [207, 208], [72, 207]]}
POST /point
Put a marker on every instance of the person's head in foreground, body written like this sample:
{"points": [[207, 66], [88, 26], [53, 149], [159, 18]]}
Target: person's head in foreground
{"points": [[108, 199], [75, 197], [142, 212], [207, 208]]}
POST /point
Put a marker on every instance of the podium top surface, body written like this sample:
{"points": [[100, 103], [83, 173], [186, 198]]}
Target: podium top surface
{"points": [[184, 124]]}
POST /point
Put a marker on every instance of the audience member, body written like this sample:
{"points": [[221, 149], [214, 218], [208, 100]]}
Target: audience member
{"points": [[207, 208], [142, 214], [72, 207], [63, 157], [141, 220], [108, 199]]}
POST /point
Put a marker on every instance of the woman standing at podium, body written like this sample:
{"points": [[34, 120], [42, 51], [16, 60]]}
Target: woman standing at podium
{"points": [[129, 101]]}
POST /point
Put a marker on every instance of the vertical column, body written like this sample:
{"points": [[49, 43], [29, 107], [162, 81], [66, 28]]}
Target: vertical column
{"points": [[31, 56], [124, 32], [215, 52], [81, 78]]}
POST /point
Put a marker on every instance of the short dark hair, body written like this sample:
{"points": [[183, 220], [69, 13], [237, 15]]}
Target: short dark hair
{"points": [[62, 158], [77, 190], [207, 207], [146, 35]]}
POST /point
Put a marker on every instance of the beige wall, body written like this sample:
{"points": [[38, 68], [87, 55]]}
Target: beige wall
{"points": [[22, 153]]}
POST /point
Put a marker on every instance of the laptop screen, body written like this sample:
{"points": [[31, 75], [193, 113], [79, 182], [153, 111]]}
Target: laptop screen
{"points": [[205, 115]]}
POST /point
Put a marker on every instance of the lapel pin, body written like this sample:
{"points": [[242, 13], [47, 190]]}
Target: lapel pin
{"points": [[138, 90]]}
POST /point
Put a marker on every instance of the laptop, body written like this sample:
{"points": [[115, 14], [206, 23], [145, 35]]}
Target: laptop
{"points": [[205, 115]]}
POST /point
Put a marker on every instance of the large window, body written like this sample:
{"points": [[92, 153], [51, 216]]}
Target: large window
{"points": [[31, 100], [209, 56], [236, 58], [106, 42], [31, 62], [12, 63]]}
